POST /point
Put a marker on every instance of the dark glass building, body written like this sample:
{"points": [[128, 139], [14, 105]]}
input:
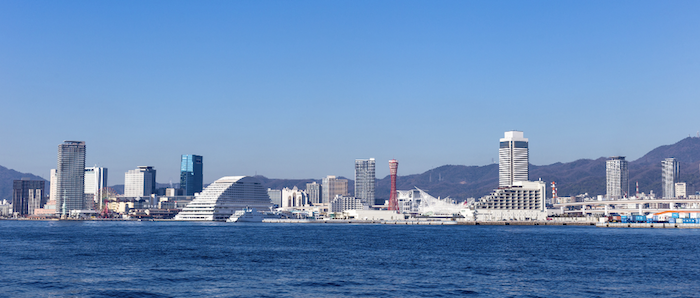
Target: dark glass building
{"points": [[191, 177], [27, 195]]}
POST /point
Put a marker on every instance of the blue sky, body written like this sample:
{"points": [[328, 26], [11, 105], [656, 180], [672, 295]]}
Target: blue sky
{"points": [[299, 89]]}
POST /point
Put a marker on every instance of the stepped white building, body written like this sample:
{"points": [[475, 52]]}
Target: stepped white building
{"points": [[222, 198]]}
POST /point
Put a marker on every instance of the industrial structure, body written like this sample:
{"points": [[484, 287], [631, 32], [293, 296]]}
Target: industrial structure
{"points": [[393, 169]]}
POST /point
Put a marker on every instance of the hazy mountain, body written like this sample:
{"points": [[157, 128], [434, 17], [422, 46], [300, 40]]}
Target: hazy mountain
{"points": [[462, 182], [7, 176]]}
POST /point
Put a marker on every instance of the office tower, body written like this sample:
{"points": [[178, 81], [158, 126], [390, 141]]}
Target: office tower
{"points": [[140, 182], [191, 176], [333, 186], [95, 183], [393, 201], [70, 177], [670, 174], [27, 195], [313, 190], [513, 159], [617, 176], [364, 180]]}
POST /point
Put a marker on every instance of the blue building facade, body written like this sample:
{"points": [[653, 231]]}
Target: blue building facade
{"points": [[191, 177]]}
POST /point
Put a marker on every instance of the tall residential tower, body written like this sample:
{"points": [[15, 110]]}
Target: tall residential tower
{"points": [[364, 180], [70, 177], [513, 159], [191, 176], [670, 173], [617, 177]]}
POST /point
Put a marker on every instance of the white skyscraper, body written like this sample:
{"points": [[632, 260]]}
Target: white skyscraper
{"points": [[513, 159], [140, 182], [70, 177], [670, 173], [364, 180], [95, 182], [617, 177]]}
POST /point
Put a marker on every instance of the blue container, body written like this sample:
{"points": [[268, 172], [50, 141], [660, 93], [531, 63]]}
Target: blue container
{"points": [[674, 215], [671, 220], [655, 218]]}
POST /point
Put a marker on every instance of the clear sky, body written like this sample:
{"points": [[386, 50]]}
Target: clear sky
{"points": [[300, 89]]}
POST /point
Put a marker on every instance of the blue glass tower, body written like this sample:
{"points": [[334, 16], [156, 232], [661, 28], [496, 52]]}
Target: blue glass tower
{"points": [[191, 178]]}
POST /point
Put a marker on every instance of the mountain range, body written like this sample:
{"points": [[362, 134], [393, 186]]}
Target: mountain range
{"points": [[461, 182]]}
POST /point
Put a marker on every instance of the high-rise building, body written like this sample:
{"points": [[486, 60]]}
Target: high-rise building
{"points": [[333, 186], [27, 195], [670, 174], [191, 176], [275, 196], [140, 182], [364, 180], [617, 177], [95, 183], [313, 190], [53, 187], [393, 200], [513, 159], [70, 177]]}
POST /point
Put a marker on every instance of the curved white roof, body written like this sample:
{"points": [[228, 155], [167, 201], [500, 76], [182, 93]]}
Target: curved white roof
{"points": [[224, 197]]}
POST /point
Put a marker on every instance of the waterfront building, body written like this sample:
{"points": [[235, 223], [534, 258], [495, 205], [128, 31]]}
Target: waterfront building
{"points": [[293, 198], [313, 190], [617, 178], [670, 174], [191, 174], [53, 186], [275, 196], [332, 187], [513, 159], [140, 182], [409, 201], [524, 200], [70, 177], [95, 184], [219, 200], [341, 203], [365, 180], [27, 195], [681, 190]]}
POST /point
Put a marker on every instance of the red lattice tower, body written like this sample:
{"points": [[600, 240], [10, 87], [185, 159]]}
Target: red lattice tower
{"points": [[554, 192], [393, 202]]}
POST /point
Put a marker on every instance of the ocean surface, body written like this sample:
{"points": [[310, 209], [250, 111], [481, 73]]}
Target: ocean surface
{"points": [[184, 259]]}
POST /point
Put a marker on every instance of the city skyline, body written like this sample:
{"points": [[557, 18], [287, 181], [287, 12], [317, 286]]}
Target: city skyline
{"points": [[443, 71]]}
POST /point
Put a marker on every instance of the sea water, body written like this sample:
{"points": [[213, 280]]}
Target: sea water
{"points": [[189, 259]]}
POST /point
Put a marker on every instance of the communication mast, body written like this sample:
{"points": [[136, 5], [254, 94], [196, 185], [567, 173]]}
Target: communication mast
{"points": [[393, 201]]}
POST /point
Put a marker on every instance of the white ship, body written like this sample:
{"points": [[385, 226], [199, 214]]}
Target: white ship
{"points": [[249, 215]]}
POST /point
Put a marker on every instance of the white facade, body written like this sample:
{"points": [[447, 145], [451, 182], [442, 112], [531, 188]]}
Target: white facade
{"points": [[313, 190], [617, 178], [332, 187], [522, 195], [513, 159], [342, 203], [681, 190], [140, 182], [293, 198], [95, 182], [53, 188], [225, 196], [364, 180], [670, 173]]}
